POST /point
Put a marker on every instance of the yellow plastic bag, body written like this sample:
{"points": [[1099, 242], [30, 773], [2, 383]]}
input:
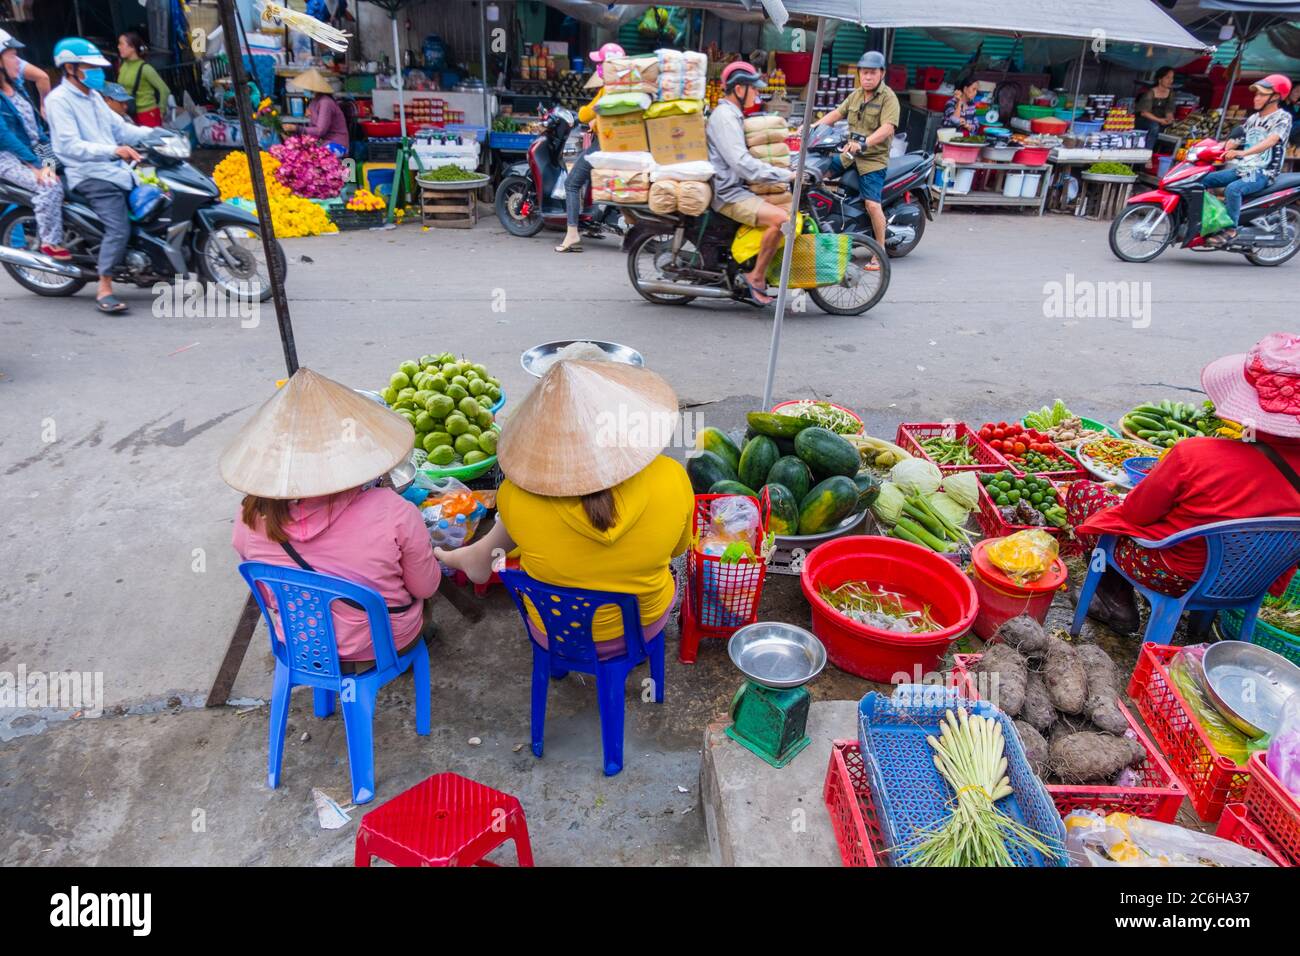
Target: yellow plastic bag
{"points": [[1024, 556], [749, 238]]}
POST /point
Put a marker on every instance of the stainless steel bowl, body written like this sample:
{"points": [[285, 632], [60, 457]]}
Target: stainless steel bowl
{"points": [[533, 359], [777, 655], [1249, 684], [403, 476], [372, 395]]}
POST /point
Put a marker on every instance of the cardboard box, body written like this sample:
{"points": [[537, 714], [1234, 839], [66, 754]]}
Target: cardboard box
{"points": [[677, 139], [624, 133]]}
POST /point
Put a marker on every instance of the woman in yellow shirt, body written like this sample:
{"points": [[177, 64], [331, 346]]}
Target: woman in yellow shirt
{"points": [[575, 184], [588, 501]]}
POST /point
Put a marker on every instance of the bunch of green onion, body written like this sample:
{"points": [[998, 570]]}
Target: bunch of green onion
{"points": [[970, 755]]}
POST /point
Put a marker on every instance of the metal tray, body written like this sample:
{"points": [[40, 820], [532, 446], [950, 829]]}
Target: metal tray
{"points": [[1250, 685], [617, 353], [776, 655]]}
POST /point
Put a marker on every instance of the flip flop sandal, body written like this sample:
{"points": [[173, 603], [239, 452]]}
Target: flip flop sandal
{"points": [[1217, 241], [576, 247], [111, 304], [757, 294]]}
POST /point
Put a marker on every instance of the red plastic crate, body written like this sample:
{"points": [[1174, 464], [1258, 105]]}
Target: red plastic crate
{"points": [[995, 526], [381, 129], [1274, 809], [910, 435], [928, 78], [1212, 781], [853, 812], [720, 597], [1157, 796], [1237, 825]]}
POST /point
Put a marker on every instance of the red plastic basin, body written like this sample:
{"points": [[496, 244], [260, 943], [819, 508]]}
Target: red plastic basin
{"points": [[1001, 599], [937, 102], [1049, 124], [958, 153], [920, 575], [1031, 155], [795, 66]]}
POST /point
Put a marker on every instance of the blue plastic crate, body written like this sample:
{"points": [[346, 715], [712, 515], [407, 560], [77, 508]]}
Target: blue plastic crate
{"points": [[911, 794], [478, 133], [516, 141]]}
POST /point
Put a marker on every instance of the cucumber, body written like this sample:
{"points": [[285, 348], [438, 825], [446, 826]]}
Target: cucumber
{"points": [[774, 425], [783, 518], [826, 453], [827, 504], [727, 487], [793, 472], [757, 459], [1135, 422], [706, 469], [716, 440]]}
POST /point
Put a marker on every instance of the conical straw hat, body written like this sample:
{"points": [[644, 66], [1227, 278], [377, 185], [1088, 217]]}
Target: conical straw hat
{"points": [[312, 80], [587, 426], [314, 437]]}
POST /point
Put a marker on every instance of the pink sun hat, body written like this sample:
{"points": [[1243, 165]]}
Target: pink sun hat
{"points": [[1260, 389]]}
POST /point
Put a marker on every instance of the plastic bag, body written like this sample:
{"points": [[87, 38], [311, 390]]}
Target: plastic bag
{"points": [[632, 162], [1024, 556], [1189, 677], [560, 181], [1284, 748], [698, 170], [733, 519], [1214, 215], [1124, 840]]}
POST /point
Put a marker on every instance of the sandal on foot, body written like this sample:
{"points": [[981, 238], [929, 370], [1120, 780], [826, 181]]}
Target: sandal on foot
{"points": [[573, 247], [110, 303], [757, 294]]}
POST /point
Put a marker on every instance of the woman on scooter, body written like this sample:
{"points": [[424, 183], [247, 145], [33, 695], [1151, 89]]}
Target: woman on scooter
{"points": [[575, 184], [21, 135], [1267, 132]]}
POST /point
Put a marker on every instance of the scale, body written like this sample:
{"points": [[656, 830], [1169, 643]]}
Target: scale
{"points": [[769, 713]]}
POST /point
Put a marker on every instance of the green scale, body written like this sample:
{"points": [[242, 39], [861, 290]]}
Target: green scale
{"points": [[769, 714]]}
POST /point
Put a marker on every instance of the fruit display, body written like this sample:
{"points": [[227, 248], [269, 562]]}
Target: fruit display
{"points": [[809, 478], [448, 402], [1024, 499], [1166, 423], [1026, 448]]}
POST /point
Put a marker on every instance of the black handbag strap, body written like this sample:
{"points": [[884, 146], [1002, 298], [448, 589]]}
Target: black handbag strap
{"points": [[1280, 463], [135, 88], [299, 560]]}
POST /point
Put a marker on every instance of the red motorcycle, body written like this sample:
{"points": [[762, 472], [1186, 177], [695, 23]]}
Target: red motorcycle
{"points": [[1269, 231]]}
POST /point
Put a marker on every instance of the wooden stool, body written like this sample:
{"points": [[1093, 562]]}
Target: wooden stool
{"points": [[449, 209], [445, 820]]}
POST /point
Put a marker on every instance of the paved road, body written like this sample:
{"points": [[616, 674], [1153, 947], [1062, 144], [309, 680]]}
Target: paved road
{"points": [[116, 552]]}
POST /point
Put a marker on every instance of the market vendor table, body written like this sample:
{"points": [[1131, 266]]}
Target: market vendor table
{"points": [[1063, 157], [990, 197]]}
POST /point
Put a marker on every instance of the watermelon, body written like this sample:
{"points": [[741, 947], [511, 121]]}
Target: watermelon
{"points": [[791, 472], [706, 469], [716, 440], [784, 445], [868, 489], [827, 504], [826, 453], [726, 487], [784, 516], [774, 425], [756, 461]]}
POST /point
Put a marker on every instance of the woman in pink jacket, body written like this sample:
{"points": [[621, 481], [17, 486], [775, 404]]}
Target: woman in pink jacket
{"points": [[308, 462]]}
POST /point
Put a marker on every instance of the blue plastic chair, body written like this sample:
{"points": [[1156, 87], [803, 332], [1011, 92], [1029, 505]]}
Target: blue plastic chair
{"points": [[1243, 558], [567, 614], [309, 656]]}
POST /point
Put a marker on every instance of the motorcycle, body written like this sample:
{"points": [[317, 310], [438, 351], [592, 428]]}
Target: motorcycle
{"points": [[190, 230], [1269, 231], [524, 200], [905, 199], [674, 259]]}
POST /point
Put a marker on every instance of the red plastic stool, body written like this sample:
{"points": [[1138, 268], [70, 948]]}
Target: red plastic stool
{"points": [[446, 820]]}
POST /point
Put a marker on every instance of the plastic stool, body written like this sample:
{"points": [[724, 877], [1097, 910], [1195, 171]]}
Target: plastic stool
{"points": [[445, 820]]}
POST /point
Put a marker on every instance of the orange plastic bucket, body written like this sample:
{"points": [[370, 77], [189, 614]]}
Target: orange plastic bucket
{"points": [[1001, 599]]}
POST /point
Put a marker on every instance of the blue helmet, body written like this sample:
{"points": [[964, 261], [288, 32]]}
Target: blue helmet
{"points": [[145, 202], [78, 50], [872, 60]]}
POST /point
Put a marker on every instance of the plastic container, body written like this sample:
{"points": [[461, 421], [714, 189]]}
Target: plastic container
{"points": [[1239, 827], [929, 77], [1266, 635], [795, 66], [1012, 184], [1275, 809], [1211, 781], [1032, 155], [1031, 112], [937, 102], [1086, 127], [1139, 467], [909, 791], [380, 129], [779, 409], [852, 808], [962, 181], [911, 434], [997, 154], [956, 153], [463, 472], [1029, 185], [993, 525], [1157, 795], [920, 575], [720, 597], [1001, 599]]}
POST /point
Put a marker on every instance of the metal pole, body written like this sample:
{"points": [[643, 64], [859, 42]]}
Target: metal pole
{"points": [[482, 56], [787, 255], [248, 132], [1233, 74], [1078, 83], [400, 81]]}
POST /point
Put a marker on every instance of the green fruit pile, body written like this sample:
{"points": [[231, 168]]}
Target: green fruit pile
{"points": [[447, 401]]}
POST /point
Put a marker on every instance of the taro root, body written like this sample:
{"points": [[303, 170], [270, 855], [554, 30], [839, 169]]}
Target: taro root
{"points": [[1009, 692], [1066, 679], [1101, 705], [1036, 751], [1037, 709], [1024, 634], [1092, 757]]}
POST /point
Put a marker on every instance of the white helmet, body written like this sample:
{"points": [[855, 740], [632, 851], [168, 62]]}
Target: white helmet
{"points": [[78, 50]]}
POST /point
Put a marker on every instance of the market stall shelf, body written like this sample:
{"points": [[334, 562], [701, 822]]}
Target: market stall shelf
{"points": [[1002, 194]]}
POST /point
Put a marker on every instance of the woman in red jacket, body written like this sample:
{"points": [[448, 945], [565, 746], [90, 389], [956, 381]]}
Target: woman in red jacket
{"points": [[1203, 480]]}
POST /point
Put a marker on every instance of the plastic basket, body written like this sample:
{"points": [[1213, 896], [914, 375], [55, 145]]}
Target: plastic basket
{"points": [[1239, 827], [910, 436], [518, 142], [993, 525], [1087, 423], [1157, 796], [911, 794], [1266, 635], [1211, 780], [852, 809], [349, 219], [721, 597], [1274, 808]]}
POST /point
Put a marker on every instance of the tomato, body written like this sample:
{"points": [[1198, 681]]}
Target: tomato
{"points": [[1002, 425], [1008, 446], [999, 434], [1020, 448], [985, 433]]}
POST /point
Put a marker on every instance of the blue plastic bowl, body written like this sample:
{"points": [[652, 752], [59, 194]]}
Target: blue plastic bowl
{"points": [[501, 402], [1138, 468]]}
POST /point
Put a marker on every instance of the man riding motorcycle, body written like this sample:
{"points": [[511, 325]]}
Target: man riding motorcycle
{"points": [[734, 167], [872, 111], [94, 144], [1267, 133]]}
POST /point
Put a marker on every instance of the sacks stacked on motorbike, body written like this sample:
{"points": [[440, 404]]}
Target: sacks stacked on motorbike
{"points": [[682, 75], [765, 136], [654, 104], [622, 178], [681, 187]]}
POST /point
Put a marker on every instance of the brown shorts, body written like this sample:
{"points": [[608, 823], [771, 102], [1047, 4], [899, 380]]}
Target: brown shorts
{"points": [[745, 211]]}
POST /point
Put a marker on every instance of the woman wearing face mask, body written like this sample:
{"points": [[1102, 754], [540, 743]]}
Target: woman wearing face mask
{"points": [[21, 135]]}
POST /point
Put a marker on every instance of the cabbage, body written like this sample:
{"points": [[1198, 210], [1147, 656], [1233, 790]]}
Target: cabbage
{"points": [[948, 508], [916, 476], [888, 506], [963, 488]]}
